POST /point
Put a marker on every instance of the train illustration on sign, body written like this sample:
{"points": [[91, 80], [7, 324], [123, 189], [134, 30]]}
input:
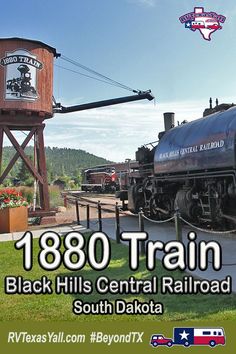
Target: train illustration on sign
{"points": [[21, 68], [190, 336], [21, 86]]}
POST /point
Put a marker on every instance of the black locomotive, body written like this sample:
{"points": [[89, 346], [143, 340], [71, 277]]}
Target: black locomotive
{"points": [[21, 86], [191, 169]]}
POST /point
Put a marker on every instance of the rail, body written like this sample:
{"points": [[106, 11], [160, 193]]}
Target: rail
{"points": [[83, 201]]}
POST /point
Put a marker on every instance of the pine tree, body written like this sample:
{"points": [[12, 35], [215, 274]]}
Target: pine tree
{"points": [[24, 174]]}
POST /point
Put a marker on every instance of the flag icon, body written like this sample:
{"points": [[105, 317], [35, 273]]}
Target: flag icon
{"points": [[188, 24], [184, 336]]}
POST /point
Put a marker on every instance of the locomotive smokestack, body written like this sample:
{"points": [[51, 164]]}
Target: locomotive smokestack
{"points": [[210, 102], [169, 120]]}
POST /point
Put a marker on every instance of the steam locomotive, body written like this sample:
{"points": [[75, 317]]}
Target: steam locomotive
{"points": [[191, 169]]}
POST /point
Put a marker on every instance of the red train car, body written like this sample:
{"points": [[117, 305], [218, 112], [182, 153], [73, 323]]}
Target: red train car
{"points": [[108, 178], [100, 179]]}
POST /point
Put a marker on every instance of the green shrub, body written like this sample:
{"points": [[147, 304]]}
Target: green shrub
{"points": [[55, 196], [28, 193]]}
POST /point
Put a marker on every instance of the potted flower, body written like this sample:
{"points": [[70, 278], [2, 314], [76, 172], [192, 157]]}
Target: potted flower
{"points": [[13, 211]]}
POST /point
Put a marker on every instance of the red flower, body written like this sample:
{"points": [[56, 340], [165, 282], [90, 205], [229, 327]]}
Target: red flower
{"points": [[10, 197]]}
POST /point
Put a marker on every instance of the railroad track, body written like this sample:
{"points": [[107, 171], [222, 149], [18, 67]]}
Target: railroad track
{"points": [[105, 206]]}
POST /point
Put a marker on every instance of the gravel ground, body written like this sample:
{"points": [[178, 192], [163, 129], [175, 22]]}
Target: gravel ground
{"points": [[69, 215], [66, 217]]}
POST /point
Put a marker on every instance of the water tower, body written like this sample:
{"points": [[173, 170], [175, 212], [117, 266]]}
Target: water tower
{"points": [[26, 87], [26, 100]]}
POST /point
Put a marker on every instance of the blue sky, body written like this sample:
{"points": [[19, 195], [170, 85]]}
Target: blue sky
{"points": [[140, 43]]}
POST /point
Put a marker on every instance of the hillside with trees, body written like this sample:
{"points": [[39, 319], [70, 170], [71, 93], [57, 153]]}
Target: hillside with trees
{"points": [[61, 162]]}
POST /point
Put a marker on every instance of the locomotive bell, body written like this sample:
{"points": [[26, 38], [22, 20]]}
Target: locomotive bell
{"points": [[169, 120]]}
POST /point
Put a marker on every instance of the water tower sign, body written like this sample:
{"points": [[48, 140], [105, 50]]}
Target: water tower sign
{"points": [[21, 75], [26, 99]]}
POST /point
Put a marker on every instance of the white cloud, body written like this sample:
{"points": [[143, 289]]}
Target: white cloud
{"points": [[148, 3], [116, 132]]}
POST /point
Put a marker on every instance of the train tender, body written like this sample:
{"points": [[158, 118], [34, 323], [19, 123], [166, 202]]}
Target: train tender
{"points": [[191, 169]]}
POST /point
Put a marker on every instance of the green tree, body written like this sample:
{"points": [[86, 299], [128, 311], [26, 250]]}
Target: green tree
{"points": [[25, 175]]}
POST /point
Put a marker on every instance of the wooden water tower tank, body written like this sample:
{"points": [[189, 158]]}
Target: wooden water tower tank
{"points": [[26, 99], [26, 77]]}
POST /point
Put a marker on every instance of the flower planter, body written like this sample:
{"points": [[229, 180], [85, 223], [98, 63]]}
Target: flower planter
{"points": [[13, 219]]}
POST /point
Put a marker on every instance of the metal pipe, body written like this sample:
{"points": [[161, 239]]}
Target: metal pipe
{"points": [[229, 217], [141, 96]]}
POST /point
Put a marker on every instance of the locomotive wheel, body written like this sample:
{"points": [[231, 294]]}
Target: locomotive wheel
{"points": [[195, 212], [154, 213], [160, 208]]}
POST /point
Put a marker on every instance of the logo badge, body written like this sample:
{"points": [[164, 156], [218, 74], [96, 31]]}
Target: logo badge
{"points": [[21, 75], [205, 22], [189, 336]]}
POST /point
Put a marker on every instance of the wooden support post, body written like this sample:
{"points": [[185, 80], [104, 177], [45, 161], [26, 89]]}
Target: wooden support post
{"points": [[1, 147], [141, 229], [117, 223], [42, 168], [99, 216], [88, 216], [17, 155], [35, 128], [22, 154]]}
